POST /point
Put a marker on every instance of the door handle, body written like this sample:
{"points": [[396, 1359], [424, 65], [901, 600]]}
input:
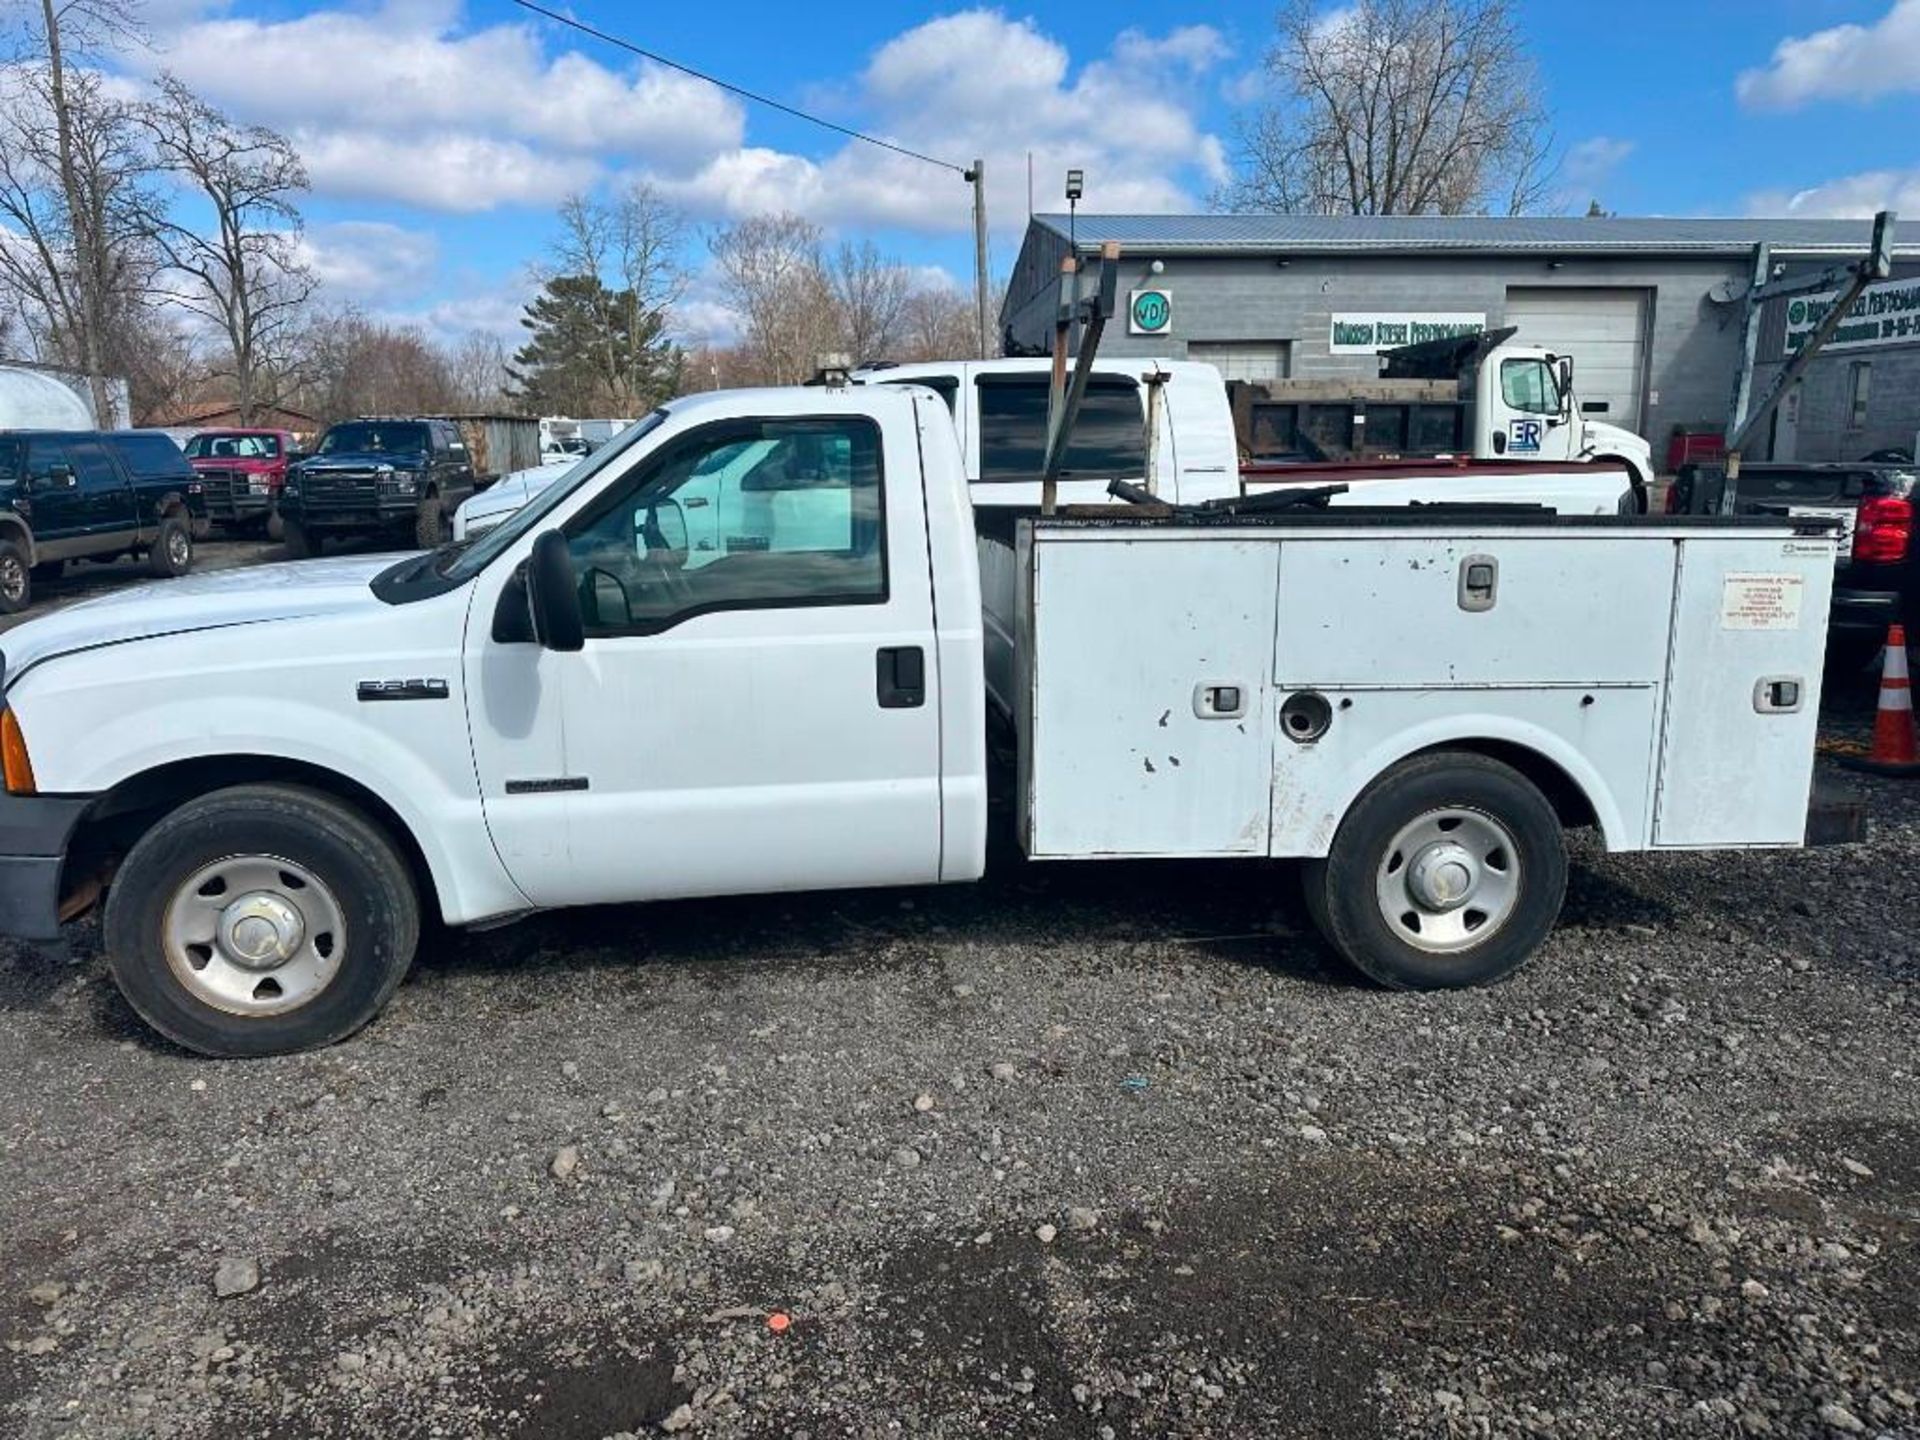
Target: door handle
{"points": [[695, 502], [900, 677]]}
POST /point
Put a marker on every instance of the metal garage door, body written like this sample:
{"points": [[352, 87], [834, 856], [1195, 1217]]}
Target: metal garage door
{"points": [[1242, 359], [1605, 331]]}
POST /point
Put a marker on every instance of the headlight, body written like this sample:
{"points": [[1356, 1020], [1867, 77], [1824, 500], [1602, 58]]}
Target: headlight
{"points": [[403, 484]]}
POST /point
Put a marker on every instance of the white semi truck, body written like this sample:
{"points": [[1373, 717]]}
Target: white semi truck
{"points": [[740, 650]]}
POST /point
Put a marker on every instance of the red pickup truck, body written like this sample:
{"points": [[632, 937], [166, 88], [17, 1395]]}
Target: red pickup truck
{"points": [[244, 471]]}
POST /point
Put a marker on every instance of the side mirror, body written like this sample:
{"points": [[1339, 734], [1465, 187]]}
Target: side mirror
{"points": [[1566, 383], [553, 596]]}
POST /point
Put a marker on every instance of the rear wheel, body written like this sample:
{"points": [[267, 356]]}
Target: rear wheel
{"points": [[260, 920], [172, 552], [16, 577], [1448, 871], [302, 543]]}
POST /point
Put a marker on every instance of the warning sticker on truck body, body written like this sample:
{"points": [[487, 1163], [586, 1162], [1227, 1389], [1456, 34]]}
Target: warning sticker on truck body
{"points": [[1758, 601]]}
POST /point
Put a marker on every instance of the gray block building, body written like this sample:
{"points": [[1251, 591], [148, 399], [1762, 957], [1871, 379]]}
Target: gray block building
{"points": [[1654, 311]]}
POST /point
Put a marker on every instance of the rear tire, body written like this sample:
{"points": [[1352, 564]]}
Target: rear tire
{"points": [[1448, 871], [172, 552], [305, 945], [16, 577], [302, 543]]}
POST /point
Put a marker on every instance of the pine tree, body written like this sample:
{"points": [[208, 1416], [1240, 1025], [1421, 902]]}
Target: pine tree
{"points": [[592, 351]]}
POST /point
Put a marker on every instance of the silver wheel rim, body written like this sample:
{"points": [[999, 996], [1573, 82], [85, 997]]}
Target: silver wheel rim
{"points": [[1449, 880], [254, 935], [13, 579], [179, 547]]}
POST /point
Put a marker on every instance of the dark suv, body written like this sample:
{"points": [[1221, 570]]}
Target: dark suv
{"points": [[92, 495], [396, 478]]}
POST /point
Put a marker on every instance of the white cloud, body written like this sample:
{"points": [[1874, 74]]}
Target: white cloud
{"points": [[1843, 62], [454, 171], [401, 85], [1848, 197], [370, 262], [1593, 160], [978, 84]]}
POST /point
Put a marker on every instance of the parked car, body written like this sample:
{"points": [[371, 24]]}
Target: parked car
{"points": [[1877, 579], [399, 478], [92, 495], [480, 513], [243, 471]]}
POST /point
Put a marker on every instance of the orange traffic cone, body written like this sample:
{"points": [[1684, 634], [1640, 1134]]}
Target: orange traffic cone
{"points": [[1895, 748]]}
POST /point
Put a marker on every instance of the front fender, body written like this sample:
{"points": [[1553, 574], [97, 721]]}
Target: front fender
{"points": [[418, 765]]}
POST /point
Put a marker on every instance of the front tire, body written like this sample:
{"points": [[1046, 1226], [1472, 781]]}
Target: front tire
{"points": [[261, 920], [172, 552], [302, 543], [1448, 871], [430, 524]]}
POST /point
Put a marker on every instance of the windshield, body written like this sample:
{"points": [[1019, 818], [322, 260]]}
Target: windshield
{"points": [[365, 437], [477, 556], [233, 447]]}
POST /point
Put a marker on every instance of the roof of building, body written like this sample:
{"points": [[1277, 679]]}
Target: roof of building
{"points": [[1270, 234]]}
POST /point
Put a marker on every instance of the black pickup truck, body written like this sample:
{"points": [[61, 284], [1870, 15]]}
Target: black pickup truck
{"points": [[1878, 579], [397, 478], [92, 495]]}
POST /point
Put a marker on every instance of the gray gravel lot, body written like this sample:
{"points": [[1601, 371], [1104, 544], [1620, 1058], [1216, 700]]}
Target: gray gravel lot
{"points": [[1083, 1151]]}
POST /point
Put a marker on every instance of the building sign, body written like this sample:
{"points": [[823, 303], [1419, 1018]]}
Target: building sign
{"points": [[1149, 312], [1369, 332], [1885, 314]]}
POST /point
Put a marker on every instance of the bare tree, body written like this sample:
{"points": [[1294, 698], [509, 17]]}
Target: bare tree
{"points": [[85, 159], [631, 243], [772, 275], [1397, 107], [350, 365], [870, 293], [477, 370], [244, 275], [939, 322]]}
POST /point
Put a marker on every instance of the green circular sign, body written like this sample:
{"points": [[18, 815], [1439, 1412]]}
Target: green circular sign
{"points": [[1797, 313], [1152, 310]]}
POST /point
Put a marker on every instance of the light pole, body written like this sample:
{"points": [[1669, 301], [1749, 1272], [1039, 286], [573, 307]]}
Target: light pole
{"points": [[1076, 187]]}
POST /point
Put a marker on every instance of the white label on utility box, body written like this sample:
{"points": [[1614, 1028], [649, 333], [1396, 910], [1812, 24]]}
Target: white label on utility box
{"points": [[1753, 601]]}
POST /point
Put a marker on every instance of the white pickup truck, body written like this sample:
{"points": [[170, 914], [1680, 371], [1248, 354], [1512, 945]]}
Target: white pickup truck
{"points": [[740, 650]]}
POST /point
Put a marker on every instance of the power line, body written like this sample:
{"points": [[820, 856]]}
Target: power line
{"points": [[963, 171]]}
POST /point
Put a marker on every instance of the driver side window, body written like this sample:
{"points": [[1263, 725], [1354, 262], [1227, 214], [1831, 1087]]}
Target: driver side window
{"points": [[1528, 385], [741, 515]]}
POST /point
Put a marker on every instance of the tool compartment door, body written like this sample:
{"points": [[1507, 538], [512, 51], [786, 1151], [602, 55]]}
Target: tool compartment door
{"points": [[1736, 768], [1129, 744], [1357, 611]]}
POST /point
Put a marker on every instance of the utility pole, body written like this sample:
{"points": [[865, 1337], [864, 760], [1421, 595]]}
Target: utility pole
{"points": [[978, 176]]}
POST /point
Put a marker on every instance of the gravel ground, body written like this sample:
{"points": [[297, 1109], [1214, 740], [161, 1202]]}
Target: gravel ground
{"points": [[1083, 1151]]}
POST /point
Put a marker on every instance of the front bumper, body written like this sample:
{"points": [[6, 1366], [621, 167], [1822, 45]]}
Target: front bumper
{"points": [[359, 513], [34, 831]]}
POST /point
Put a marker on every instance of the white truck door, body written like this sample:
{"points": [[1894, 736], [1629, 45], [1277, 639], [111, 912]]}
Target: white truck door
{"points": [[756, 716], [1523, 411]]}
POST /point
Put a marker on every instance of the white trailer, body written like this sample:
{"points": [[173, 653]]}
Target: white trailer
{"points": [[741, 650]]}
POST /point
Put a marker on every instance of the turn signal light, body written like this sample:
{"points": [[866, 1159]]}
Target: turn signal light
{"points": [[14, 760], [1883, 529]]}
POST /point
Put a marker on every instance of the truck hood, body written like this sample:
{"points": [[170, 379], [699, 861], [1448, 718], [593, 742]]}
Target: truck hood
{"points": [[1613, 437], [296, 590], [362, 460], [508, 494]]}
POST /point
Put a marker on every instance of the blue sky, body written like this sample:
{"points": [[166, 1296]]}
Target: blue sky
{"points": [[440, 133]]}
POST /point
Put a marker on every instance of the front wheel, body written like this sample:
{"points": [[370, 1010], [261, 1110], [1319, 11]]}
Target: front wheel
{"points": [[430, 524], [1448, 871], [261, 920], [302, 543], [172, 552]]}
